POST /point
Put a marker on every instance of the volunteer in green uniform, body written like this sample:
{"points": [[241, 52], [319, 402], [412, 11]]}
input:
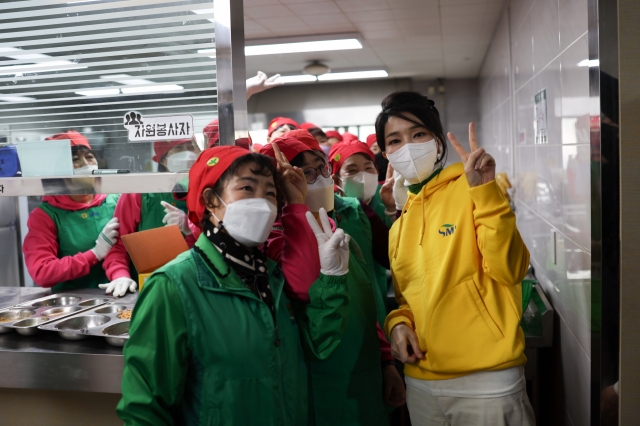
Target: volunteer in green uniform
{"points": [[214, 340], [70, 235], [346, 389]]}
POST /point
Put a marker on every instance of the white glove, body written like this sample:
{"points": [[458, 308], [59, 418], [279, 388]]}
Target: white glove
{"points": [[175, 216], [107, 238], [333, 247], [400, 192], [260, 83], [119, 286]]}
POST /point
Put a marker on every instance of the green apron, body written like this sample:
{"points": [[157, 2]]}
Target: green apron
{"points": [[350, 217], [77, 233], [152, 212]]}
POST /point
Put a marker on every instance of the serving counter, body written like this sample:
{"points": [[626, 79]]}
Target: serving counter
{"points": [[46, 361]]}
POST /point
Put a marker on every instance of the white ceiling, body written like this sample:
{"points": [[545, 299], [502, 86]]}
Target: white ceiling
{"points": [[408, 38]]}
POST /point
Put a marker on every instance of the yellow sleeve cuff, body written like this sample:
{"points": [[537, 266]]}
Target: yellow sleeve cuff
{"points": [[396, 318], [487, 196]]}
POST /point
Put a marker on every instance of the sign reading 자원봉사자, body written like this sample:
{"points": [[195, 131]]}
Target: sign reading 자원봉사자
{"points": [[157, 127]]}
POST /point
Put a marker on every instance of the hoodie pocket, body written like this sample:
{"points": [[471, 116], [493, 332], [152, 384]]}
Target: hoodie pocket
{"points": [[475, 295]]}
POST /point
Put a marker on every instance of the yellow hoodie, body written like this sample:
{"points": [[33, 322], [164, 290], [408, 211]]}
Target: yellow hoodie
{"points": [[457, 260]]}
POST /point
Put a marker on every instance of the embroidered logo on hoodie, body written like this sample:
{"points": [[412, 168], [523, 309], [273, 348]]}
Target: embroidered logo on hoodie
{"points": [[446, 230]]}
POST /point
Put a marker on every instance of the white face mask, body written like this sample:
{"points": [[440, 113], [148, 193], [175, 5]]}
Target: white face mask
{"points": [[85, 170], [415, 161], [362, 185], [180, 161], [249, 221], [320, 194]]}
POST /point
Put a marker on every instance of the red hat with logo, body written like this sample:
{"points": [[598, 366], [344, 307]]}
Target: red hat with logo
{"points": [[348, 137], [334, 134], [307, 126], [212, 133], [205, 172], [76, 138], [289, 146], [162, 147], [341, 151], [371, 139], [306, 138], [245, 143], [281, 121]]}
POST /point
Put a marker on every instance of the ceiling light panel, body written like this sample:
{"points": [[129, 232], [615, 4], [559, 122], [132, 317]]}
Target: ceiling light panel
{"points": [[304, 46]]}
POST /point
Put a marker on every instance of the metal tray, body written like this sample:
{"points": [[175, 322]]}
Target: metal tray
{"points": [[26, 317], [98, 321]]}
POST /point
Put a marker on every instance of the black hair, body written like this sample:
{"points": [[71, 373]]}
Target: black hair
{"points": [[316, 132], [261, 165], [400, 104], [382, 164], [298, 160], [80, 148]]}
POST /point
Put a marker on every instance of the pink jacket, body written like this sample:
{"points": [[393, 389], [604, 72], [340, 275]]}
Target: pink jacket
{"points": [[293, 246], [116, 264], [40, 246]]}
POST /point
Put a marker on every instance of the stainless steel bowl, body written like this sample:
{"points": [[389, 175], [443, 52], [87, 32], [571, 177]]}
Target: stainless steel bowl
{"points": [[112, 309], [117, 334], [12, 315], [93, 302], [57, 301], [60, 311], [27, 327], [83, 322]]}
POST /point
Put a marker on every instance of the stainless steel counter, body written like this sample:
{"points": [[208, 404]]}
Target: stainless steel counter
{"points": [[46, 361]]}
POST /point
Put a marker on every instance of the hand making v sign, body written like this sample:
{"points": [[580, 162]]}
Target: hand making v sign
{"points": [[479, 166], [294, 182]]}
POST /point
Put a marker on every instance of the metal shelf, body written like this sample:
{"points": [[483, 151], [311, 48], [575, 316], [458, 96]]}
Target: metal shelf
{"points": [[104, 184]]}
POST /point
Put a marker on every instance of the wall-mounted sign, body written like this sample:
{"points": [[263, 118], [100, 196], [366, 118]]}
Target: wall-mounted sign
{"points": [[157, 127], [541, 117]]}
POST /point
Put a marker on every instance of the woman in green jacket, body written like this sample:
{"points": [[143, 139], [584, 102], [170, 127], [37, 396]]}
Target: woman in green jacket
{"points": [[214, 341], [352, 386]]}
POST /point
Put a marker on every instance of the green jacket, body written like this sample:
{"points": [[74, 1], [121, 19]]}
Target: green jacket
{"points": [[152, 212], [350, 217], [204, 351], [377, 206], [346, 389]]}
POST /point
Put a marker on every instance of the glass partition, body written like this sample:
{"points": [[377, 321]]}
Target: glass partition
{"points": [[136, 79]]}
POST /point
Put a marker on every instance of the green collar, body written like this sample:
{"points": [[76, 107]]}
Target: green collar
{"points": [[417, 187], [232, 281]]}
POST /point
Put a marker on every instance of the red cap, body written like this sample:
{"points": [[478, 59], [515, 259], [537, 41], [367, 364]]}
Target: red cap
{"points": [[341, 151], [306, 138], [334, 134], [348, 137], [245, 143], [307, 126], [205, 172], [281, 121], [371, 139], [162, 147], [211, 130], [257, 147], [290, 147], [76, 138]]}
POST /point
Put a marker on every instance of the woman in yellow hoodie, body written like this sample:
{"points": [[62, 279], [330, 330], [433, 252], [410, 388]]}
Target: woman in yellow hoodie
{"points": [[457, 260]]}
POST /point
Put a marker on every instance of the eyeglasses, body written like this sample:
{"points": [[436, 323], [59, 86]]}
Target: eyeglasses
{"points": [[311, 174]]}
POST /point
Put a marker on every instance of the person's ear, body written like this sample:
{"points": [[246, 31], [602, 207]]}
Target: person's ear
{"points": [[211, 202], [384, 154], [336, 180]]}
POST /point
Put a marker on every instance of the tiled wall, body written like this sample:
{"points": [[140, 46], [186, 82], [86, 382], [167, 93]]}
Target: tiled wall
{"points": [[538, 45]]}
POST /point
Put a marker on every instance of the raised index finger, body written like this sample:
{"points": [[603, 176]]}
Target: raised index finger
{"points": [[279, 156], [464, 155], [473, 142]]}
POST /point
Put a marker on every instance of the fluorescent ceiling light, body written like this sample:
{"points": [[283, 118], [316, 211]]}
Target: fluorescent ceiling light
{"points": [[353, 75], [304, 46], [99, 92], [9, 98], [43, 66], [589, 63], [126, 79], [205, 12], [296, 78], [154, 88]]}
